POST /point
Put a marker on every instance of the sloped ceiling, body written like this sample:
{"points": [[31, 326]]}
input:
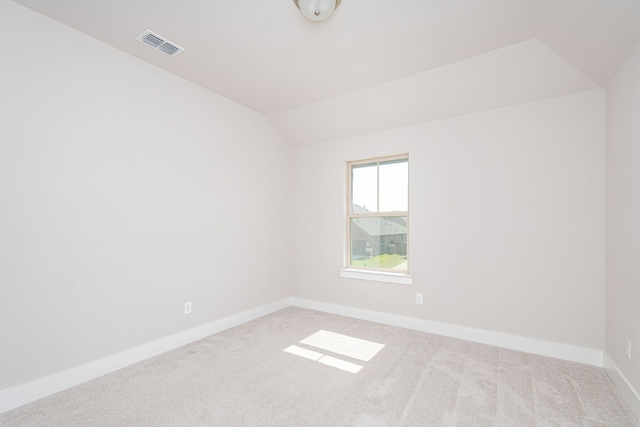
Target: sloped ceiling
{"points": [[374, 63], [523, 72]]}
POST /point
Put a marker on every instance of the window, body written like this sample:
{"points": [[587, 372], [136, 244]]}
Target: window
{"points": [[378, 214]]}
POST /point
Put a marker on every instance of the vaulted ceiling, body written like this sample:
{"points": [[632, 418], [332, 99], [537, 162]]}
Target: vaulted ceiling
{"points": [[386, 63]]}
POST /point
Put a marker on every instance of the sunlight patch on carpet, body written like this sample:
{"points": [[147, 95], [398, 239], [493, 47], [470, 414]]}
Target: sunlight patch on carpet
{"points": [[345, 345], [354, 348], [340, 364], [303, 352]]}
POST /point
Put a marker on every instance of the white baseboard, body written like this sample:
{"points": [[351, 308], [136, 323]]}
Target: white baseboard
{"points": [[571, 353], [23, 394], [628, 392], [31, 391]]}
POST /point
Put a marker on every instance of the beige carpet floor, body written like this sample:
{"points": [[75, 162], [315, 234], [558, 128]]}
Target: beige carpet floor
{"points": [[336, 371]]}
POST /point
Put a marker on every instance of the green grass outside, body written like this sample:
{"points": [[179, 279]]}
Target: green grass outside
{"points": [[380, 261]]}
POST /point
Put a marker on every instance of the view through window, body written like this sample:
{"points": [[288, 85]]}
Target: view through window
{"points": [[378, 214]]}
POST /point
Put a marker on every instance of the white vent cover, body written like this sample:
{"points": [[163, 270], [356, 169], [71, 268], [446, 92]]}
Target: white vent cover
{"points": [[160, 43]]}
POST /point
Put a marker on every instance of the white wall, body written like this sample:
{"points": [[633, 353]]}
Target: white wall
{"points": [[124, 192], [623, 218], [507, 220]]}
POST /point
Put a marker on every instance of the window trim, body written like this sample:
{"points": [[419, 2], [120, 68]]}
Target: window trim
{"points": [[385, 274], [377, 276]]}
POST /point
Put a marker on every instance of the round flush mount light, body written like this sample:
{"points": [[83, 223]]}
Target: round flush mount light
{"points": [[317, 10]]}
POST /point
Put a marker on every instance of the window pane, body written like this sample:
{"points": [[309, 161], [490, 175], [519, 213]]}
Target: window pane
{"points": [[364, 179], [394, 186], [379, 242]]}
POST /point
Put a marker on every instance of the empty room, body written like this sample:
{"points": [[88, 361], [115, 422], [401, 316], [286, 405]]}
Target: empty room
{"points": [[320, 213]]}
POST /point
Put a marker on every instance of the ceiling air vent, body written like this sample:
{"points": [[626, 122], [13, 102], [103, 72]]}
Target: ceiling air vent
{"points": [[160, 43]]}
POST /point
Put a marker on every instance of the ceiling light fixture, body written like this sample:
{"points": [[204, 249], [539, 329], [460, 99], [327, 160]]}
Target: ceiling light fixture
{"points": [[317, 10]]}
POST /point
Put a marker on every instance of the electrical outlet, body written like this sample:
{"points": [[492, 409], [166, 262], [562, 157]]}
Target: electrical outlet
{"points": [[187, 307], [627, 348], [418, 298]]}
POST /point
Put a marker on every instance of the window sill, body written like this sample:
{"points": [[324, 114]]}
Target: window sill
{"points": [[376, 276]]}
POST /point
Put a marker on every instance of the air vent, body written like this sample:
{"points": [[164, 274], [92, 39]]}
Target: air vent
{"points": [[160, 43]]}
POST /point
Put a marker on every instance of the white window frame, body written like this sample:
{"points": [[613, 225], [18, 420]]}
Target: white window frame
{"points": [[371, 273]]}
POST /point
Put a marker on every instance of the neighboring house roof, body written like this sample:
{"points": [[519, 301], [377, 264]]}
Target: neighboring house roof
{"points": [[360, 209], [382, 226]]}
